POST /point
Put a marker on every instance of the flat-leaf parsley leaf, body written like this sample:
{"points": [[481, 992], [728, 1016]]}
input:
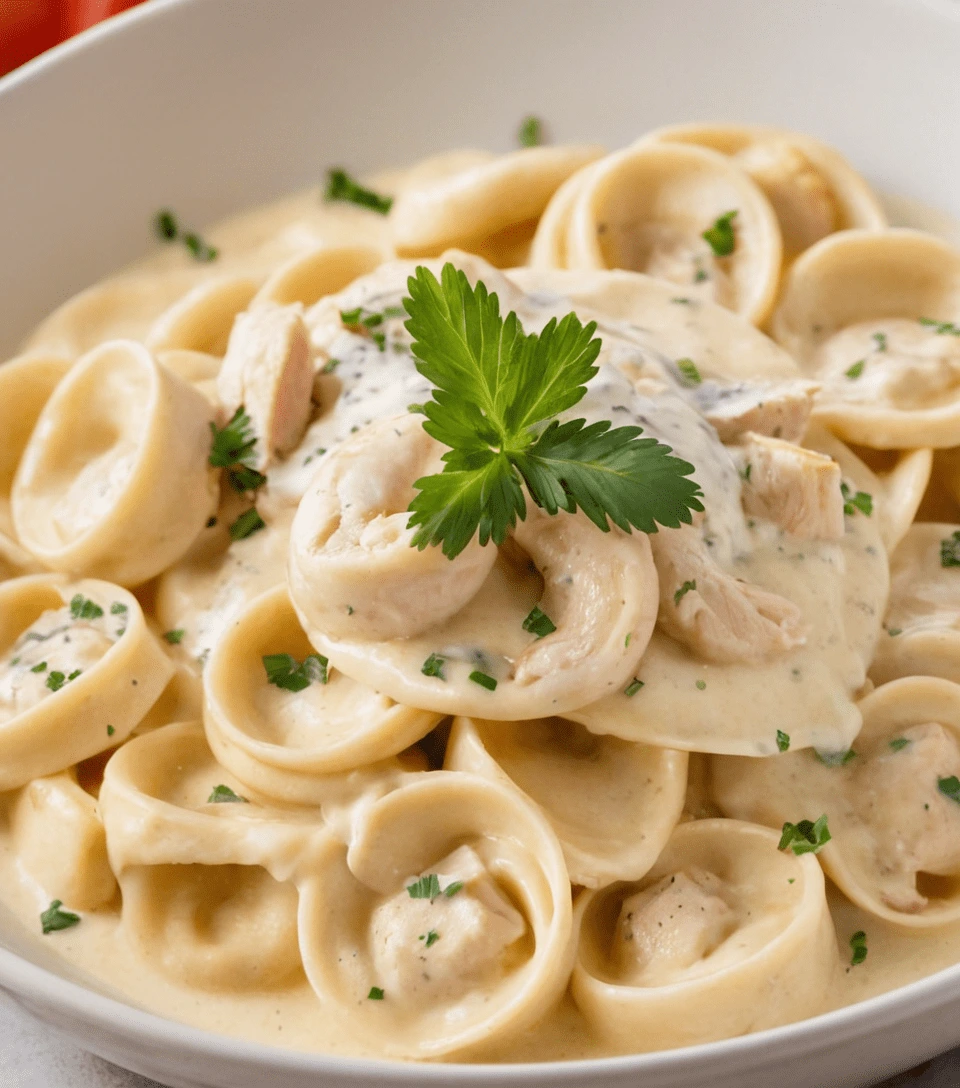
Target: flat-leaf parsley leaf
{"points": [[495, 389]]}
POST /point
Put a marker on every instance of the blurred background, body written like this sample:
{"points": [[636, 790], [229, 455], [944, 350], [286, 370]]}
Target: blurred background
{"points": [[28, 27]]}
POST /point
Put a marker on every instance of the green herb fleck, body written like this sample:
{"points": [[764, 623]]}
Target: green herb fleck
{"points": [[233, 443], [340, 186], [683, 591], [894, 631], [82, 608], [899, 743], [284, 671], [805, 837], [852, 502], [118, 608], [41, 667], [746, 471], [223, 795], [721, 237], [632, 688], [200, 250], [783, 740], [174, 637], [854, 372], [110, 730], [165, 225], [950, 787], [54, 919], [427, 887], [433, 666], [689, 372], [880, 339], [247, 524], [950, 550], [530, 133], [330, 366], [701, 685], [430, 938], [539, 623], [451, 889], [376, 994], [943, 328], [858, 946], [56, 680], [483, 680]]}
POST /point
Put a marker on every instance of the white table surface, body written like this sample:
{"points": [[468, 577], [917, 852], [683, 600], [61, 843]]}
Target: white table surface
{"points": [[31, 1056]]}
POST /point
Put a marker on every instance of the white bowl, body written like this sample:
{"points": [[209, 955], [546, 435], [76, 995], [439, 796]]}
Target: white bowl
{"points": [[215, 105]]}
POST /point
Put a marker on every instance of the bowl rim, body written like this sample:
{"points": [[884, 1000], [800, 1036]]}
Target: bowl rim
{"points": [[28, 982]]}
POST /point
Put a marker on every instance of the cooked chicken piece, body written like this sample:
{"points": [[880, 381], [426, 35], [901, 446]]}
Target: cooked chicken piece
{"points": [[915, 825], [268, 370], [443, 943], [777, 409], [719, 617], [798, 489], [667, 928], [798, 192]]}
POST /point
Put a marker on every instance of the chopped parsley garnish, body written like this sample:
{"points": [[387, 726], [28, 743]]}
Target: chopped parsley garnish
{"points": [[746, 471], [632, 688], [880, 339], [168, 230], [805, 837], [942, 328], [835, 759], [174, 637], [854, 501], [223, 795], [202, 251], [232, 449], [451, 889], [701, 685], [56, 680], [858, 948], [284, 672], [340, 186], [82, 608], [894, 631], [376, 994], [498, 391], [483, 680], [54, 919], [430, 938], [330, 366], [701, 275], [530, 133], [110, 730], [417, 409], [950, 787], [783, 741], [950, 550], [539, 623], [689, 372], [118, 608], [856, 370], [74, 674], [427, 887], [247, 524], [433, 666], [721, 237], [899, 743], [165, 225], [683, 591], [40, 667]]}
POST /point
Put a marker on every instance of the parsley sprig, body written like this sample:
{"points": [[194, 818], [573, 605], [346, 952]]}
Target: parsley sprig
{"points": [[233, 449], [498, 391]]}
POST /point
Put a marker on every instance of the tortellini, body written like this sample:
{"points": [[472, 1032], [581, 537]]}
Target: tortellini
{"points": [[892, 813], [114, 482], [869, 315], [446, 924], [647, 208], [78, 670], [724, 935], [813, 189]]}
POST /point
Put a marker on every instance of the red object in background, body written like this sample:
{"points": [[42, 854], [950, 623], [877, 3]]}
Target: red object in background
{"points": [[28, 27]]}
